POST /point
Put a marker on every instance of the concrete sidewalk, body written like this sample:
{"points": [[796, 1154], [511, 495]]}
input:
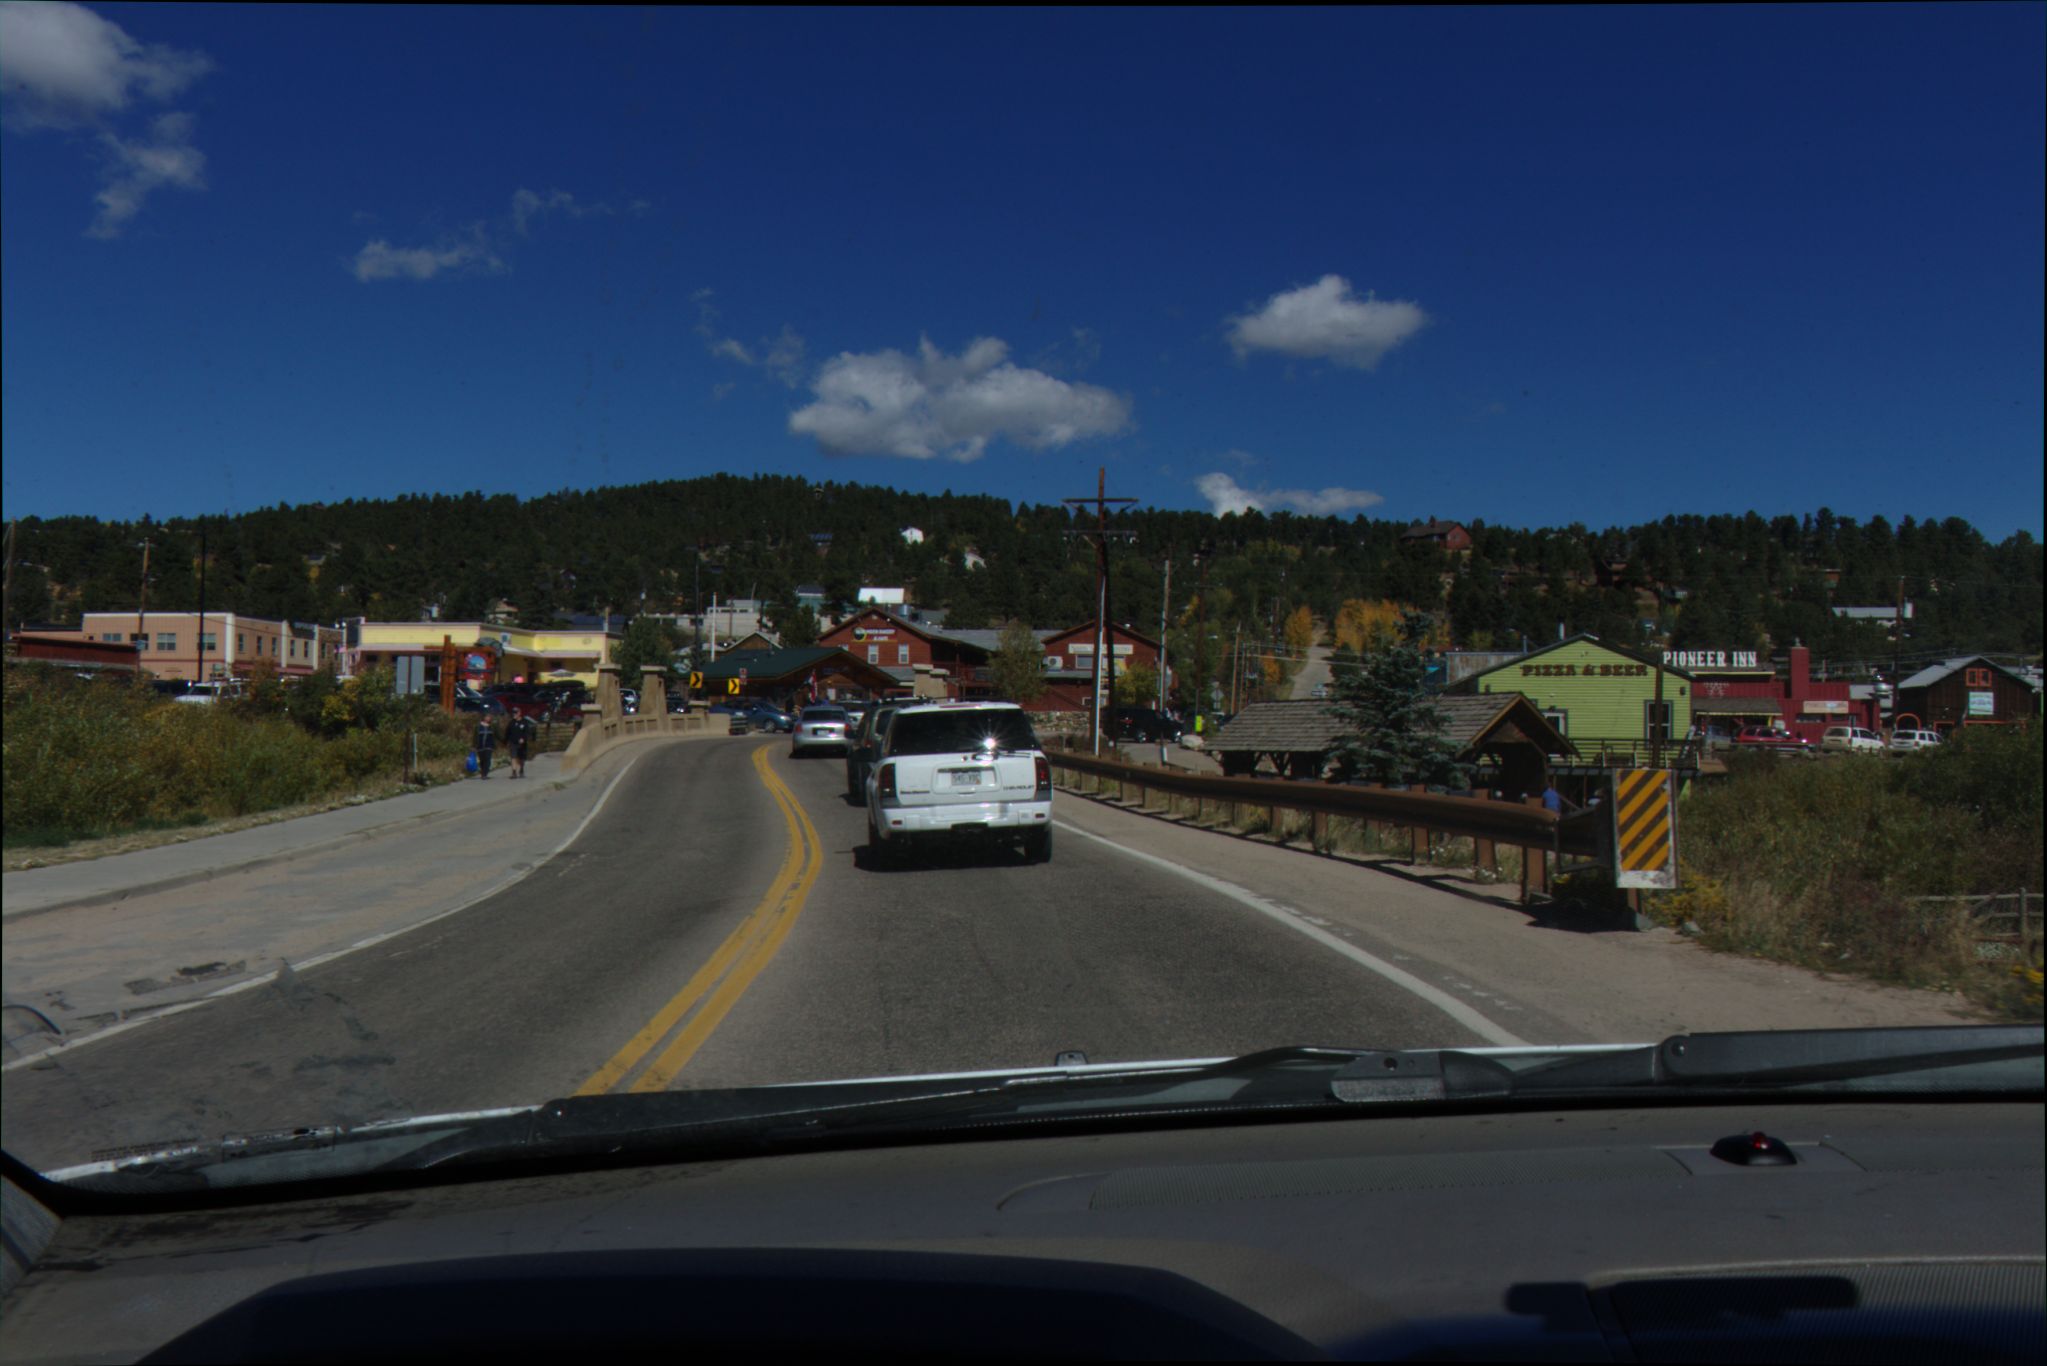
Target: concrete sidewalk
{"points": [[33, 891]]}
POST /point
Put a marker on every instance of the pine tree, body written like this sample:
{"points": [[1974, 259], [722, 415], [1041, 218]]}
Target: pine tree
{"points": [[1395, 730]]}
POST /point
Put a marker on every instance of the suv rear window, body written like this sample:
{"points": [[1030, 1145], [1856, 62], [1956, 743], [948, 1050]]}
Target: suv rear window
{"points": [[821, 714], [960, 732]]}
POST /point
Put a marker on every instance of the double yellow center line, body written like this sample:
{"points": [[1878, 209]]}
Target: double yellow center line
{"points": [[726, 975]]}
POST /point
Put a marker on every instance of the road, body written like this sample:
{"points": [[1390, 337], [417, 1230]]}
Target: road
{"points": [[712, 925]]}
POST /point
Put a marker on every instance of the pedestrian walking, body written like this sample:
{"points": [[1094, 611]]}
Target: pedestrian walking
{"points": [[1555, 801], [485, 741], [519, 739]]}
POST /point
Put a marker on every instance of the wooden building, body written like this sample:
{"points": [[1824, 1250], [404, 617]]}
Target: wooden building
{"points": [[1967, 691]]}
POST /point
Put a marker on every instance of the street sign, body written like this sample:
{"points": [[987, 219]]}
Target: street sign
{"points": [[696, 682], [1645, 828], [732, 687]]}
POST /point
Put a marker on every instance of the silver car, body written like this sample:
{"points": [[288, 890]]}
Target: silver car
{"points": [[818, 728]]}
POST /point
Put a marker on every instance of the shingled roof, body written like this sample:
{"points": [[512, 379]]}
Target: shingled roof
{"points": [[1275, 727], [1311, 724]]}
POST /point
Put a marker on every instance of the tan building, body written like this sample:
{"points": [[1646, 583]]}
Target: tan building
{"points": [[174, 645]]}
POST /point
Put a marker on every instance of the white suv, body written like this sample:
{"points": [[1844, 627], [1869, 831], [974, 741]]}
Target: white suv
{"points": [[1905, 741], [1852, 740], [953, 769]]}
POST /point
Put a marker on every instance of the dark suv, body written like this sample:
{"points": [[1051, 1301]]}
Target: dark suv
{"points": [[1142, 726], [866, 742]]}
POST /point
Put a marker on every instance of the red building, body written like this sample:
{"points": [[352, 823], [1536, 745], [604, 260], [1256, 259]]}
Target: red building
{"points": [[62, 646], [904, 649], [957, 660], [1441, 535], [1734, 688], [1070, 663]]}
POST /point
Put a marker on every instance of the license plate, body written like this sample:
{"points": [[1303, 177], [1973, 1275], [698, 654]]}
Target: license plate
{"points": [[967, 778]]}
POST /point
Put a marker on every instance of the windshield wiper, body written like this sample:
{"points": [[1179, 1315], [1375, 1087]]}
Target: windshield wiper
{"points": [[1982, 1060]]}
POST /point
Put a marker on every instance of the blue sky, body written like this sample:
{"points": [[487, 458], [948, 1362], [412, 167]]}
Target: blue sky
{"points": [[1534, 266]]}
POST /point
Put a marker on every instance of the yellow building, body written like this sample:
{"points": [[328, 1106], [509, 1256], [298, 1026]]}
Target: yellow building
{"points": [[485, 653]]}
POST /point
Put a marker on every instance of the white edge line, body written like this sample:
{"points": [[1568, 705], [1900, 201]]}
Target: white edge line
{"points": [[318, 959], [1457, 1010]]}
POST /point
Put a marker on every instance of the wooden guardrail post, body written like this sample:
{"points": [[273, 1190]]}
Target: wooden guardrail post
{"points": [[1318, 831]]}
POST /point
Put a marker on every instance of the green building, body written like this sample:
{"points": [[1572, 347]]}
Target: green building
{"points": [[1601, 696]]}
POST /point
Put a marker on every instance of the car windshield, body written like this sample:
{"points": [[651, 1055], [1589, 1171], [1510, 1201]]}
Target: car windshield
{"points": [[1380, 528], [961, 732]]}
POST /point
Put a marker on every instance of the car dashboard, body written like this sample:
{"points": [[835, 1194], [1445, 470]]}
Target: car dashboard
{"points": [[1898, 1231]]}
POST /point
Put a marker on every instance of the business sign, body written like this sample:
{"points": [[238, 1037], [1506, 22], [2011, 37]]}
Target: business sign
{"points": [[1982, 704], [1812, 707], [1584, 670], [873, 632], [1710, 659]]}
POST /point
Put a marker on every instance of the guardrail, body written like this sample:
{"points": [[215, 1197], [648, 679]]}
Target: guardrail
{"points": [[600, 733], [1485, 820]]}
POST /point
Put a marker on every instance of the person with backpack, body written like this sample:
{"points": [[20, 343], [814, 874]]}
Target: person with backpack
{"points": [[484, 742], [519, 734]]}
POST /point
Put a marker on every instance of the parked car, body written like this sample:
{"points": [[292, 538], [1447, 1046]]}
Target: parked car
{"points": [[1772, 739], [205, 693], [1906, 741], [482, 704], [1851, 740], [521, 699], [762, 714], [959, 770], [1143, 726], [818, 728]]}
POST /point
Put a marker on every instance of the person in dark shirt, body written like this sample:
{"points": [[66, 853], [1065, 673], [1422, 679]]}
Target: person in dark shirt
{"points": [[519, 739], [484, 743]]}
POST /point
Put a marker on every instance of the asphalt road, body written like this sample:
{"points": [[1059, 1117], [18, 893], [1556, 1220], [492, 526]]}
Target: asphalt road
{"points": [[713, 925]]}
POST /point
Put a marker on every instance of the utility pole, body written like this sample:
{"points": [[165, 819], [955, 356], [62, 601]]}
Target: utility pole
{"points": [[1105, 638], [199, 649], [142, 613], [7, 593], [1165, 608]]}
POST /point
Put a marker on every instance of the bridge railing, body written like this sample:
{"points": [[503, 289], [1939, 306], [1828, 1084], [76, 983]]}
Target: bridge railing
{"points": [[1537, 832]]}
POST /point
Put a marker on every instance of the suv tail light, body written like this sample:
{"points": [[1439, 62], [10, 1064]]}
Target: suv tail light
{"points": [[1044, 777], [885, 782]]}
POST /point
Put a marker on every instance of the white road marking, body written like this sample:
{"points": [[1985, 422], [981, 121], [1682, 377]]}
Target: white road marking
{"points": [[306, 964], [1294, 920]]}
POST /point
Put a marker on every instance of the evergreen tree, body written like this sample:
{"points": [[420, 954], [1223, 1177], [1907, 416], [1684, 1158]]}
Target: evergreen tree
{"points": [[1395, 730]]}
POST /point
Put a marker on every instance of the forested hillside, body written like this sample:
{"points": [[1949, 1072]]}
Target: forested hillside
{"points": [[1729, 582]]}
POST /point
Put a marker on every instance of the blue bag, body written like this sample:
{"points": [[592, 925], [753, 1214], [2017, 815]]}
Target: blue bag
{"points": [[472, 761]]}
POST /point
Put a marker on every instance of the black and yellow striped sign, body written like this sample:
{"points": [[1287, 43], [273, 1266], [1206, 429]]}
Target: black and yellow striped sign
{"points": [[1645, 828]]}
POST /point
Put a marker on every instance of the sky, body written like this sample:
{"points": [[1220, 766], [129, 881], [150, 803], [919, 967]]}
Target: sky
{"points": [[1532, 266]]}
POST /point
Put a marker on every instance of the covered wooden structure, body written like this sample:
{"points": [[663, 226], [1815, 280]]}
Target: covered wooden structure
{"points": [[1503, 735]]}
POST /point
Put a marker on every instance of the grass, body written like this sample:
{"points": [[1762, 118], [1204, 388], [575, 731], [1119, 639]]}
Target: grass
{"points": [[1828, 865], [90, 760]]}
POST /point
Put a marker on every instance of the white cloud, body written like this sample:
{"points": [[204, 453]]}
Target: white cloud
{"points": [[781, 355], [527, 206], [138, 166], [1225, 495], [932, 405], [379, 260], [1325, 321], [482, 248], [62, 66]]}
